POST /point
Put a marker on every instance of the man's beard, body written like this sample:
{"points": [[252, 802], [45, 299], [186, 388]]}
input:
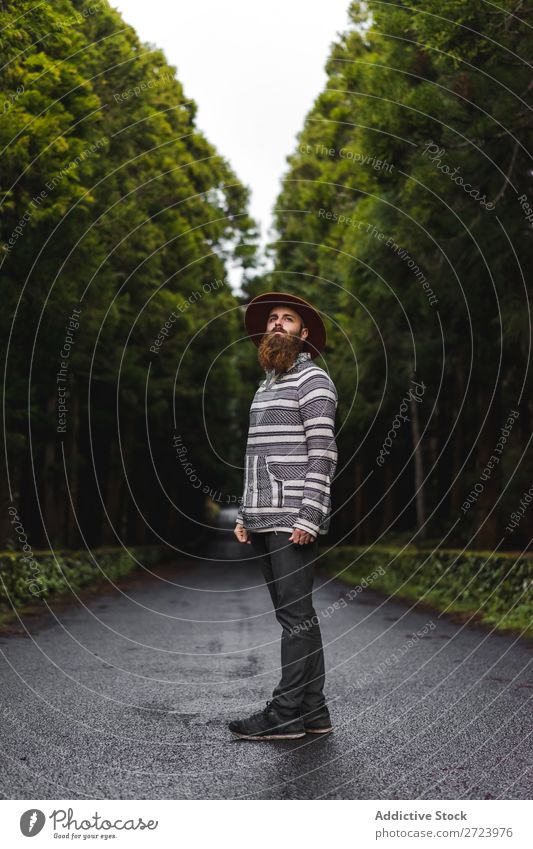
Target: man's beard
{"points": [[279, 350]]}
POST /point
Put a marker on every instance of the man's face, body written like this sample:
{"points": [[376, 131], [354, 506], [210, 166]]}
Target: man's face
{"points": [[283, 340], [283, 319]]}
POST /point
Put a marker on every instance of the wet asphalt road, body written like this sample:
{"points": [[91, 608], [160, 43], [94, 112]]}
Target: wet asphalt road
{"points": [[128, 697]]}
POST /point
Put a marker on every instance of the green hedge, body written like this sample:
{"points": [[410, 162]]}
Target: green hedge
{"points": [[496, 588], [27, 580]]}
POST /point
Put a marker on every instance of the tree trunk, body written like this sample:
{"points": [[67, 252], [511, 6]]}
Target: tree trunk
{"points": [[50, 497], [419, 468], [388, 500], [456, 495], [359, 503], [489, 532], [72, 536]]}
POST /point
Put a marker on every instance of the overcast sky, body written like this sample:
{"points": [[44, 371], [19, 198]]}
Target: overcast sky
{"points": [[254, 70]]}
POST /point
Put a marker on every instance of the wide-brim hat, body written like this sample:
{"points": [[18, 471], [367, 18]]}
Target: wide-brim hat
{"points": [[256, 315]]}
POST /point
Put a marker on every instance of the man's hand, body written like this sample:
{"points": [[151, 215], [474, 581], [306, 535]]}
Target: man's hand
{"points": [[241, 533], [300, 537]]}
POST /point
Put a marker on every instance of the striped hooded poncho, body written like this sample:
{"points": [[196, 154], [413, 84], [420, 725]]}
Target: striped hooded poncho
{"points": [[291, 453]]}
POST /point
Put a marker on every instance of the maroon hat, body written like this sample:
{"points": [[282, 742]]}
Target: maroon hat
{"points": [[255, 319]]}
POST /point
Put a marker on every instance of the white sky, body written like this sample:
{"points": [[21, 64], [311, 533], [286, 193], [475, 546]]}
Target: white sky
{"points": [[254, 70]]}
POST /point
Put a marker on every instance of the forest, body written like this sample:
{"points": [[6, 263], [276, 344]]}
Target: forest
{"points": [[404, 214], [406, 210], [119, 222]]}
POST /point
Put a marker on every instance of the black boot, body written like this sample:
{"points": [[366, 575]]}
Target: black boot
{"points": [[268, 724], [317, 721]]}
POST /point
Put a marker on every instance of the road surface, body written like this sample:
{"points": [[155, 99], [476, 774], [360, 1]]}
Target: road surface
{"points": [[127, 696]]}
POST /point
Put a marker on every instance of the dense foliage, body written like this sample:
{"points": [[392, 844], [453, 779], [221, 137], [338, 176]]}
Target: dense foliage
{"points": [[406, 216], [46, 576], [480, 586], [118, 223]]}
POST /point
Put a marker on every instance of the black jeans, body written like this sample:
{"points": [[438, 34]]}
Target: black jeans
{"points": [[288, 570]]}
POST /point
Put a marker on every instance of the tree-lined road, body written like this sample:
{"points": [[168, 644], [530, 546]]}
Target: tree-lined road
{"points": [[129, 697]]}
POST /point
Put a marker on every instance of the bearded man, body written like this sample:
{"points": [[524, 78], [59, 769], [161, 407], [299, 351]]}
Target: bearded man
{"points": [[290, 461]]}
